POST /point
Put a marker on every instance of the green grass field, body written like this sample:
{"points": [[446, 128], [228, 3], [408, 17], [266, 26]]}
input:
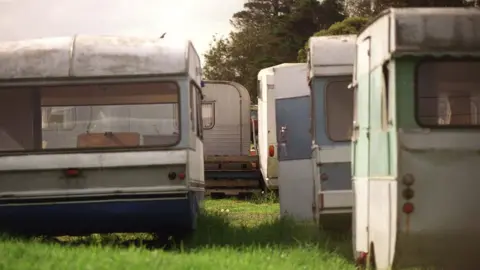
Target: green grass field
{"points": [[231, 235]]}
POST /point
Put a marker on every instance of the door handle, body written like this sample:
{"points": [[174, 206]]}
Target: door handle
{"points": [[283, 140], [283, 134]]}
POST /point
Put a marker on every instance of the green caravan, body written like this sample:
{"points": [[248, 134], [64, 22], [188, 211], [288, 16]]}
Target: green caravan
{"points": [[415, 142]]}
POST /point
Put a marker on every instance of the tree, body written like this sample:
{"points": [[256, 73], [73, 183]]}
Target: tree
{"points": [[362, 8], [268, 32], [349, 26]]}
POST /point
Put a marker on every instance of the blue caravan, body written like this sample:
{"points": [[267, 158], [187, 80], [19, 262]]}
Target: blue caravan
{"points": [[330, 64]]}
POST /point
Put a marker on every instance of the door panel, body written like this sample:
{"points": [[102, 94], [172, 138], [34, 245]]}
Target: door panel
{"points": [[361, 148], [293, 115]]}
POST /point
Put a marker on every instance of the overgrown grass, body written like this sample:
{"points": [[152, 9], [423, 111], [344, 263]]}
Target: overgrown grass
{"points": [[231, 235]]}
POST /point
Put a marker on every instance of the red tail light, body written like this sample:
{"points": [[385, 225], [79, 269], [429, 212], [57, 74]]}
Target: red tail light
{"points": [[181, 176], [271, 150], [72, 172], [408, 208]]}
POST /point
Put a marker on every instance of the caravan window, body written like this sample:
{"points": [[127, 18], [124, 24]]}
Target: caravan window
{"points": [[208, 115], [120, 115], [448, 94], [339, 110], [199, 112]]}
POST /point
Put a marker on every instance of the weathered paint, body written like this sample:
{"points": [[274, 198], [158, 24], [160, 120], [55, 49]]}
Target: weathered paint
{"points": [[331, 55], [97, 56], [442, 231]]}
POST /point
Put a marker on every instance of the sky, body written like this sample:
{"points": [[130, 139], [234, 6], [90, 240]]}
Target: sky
{"points": [[197, 20]]}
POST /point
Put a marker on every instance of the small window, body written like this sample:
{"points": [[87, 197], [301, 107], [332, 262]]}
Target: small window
{"points": [[259, 89], [385, 97], [199, 113], [58, 118], [448, 94], [339, 111], [208, 115], [193, 112]]}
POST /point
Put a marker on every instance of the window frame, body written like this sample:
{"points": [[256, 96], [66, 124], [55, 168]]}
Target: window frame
{"points": [[385, 98], [213, 115], [199, 99], [416, 91], [325, 110], [196, 98], [193, 112]]}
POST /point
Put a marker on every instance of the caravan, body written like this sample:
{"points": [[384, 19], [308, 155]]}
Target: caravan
{"points": [[106, 135], [330, 62], [230, 170], [416, 140], [267, 135]]}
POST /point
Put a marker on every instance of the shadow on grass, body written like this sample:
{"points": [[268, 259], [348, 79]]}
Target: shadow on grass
{"points": [[217, 230]]}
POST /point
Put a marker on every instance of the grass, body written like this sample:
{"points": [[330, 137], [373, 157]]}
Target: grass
{"points": [[232, 235]]}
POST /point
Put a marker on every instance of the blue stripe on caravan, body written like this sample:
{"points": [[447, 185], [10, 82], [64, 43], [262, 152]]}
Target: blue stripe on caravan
{"points": [[105, 216]]}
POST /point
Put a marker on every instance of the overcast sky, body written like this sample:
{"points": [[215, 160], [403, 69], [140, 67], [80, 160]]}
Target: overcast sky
{"points": [[197, 20]]}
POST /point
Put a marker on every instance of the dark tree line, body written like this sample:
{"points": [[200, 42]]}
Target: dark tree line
{"points": [[271, 32]]}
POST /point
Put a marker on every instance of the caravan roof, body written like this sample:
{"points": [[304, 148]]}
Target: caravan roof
{"points": [[331, 55], [95, 56]]}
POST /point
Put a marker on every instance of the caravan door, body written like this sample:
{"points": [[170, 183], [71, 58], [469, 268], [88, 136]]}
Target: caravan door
{"points": [[294, 166]]}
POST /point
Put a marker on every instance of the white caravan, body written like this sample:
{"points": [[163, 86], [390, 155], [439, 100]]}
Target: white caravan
{"points": [[100, 134], [267, 137]]}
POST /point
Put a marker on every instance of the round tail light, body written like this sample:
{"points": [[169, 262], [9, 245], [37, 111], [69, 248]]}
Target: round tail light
{"points": [[408, 193], [181, 176], [408, 179], [408, 208], [271, 150], [172, 175]]}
